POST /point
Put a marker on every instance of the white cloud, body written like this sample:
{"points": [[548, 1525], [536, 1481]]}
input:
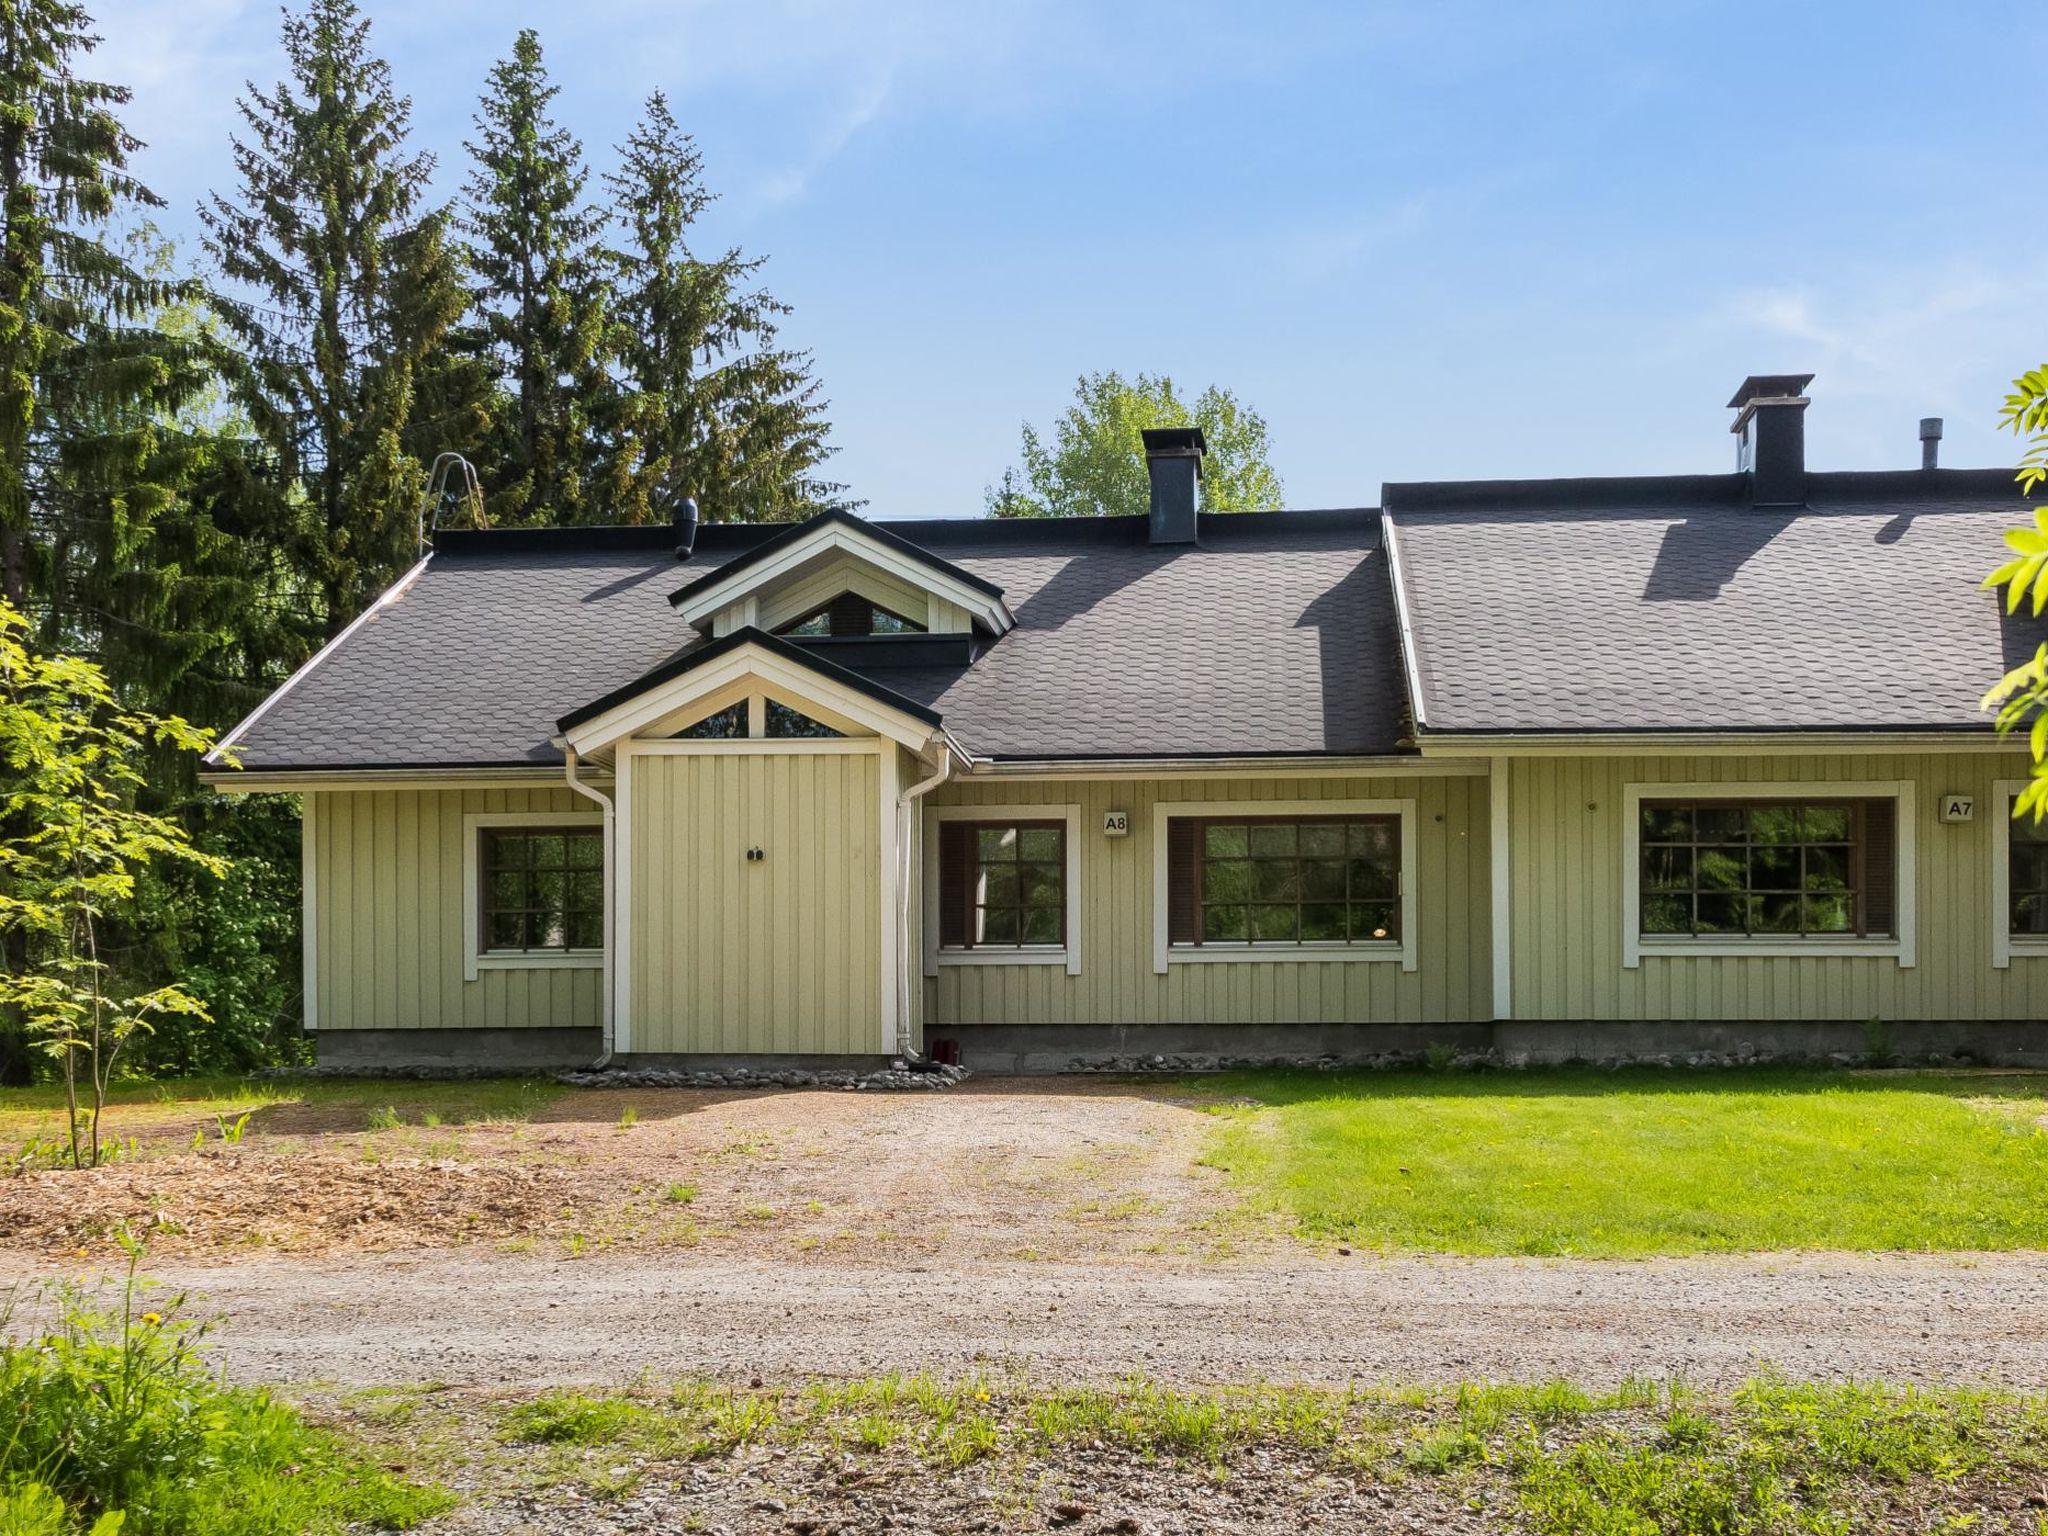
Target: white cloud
{"points": [[789, 184], [1892, 345]]}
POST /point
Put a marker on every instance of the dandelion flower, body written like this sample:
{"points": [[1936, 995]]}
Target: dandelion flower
{"points": [[152, 1318]]}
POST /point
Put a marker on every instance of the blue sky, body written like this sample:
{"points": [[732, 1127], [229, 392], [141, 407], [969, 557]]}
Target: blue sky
{"points": [[1423, 240]]}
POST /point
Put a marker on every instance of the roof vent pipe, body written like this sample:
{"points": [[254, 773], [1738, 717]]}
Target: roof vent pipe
{"points": [[1770, 437], [686, 527], [1173, 460], [1930, 442]]}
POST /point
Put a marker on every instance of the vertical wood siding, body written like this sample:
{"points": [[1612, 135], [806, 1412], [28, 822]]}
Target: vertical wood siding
{"points": [[1118, 985], [733, 956], [1565, 816], [388, 915]]}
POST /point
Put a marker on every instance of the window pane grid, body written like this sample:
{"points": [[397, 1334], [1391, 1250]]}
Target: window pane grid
{"points": [[543, 890], [1019, 890], [2027, 875], [1295, 881], [1751, 869]]}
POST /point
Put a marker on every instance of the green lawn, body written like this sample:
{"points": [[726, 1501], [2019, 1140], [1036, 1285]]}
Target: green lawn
{"points": [[1631, 1163]]}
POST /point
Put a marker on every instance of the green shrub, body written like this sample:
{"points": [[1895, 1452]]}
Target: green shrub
{"points": [[113, 1424]]}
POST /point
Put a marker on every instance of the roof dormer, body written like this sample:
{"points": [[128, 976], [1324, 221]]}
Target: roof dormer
{"points": [[839, 575]]}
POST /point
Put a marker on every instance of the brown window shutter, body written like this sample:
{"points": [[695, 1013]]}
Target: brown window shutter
{"points": [[1183, 881], [956, 882], [1881, 867]]}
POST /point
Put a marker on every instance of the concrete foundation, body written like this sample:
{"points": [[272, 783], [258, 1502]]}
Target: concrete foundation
{"points": [[1050, 1048], [502, 1050], [762, 1063]]}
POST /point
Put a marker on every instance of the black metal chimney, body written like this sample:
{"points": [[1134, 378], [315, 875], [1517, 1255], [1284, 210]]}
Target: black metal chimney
{"points": [[1173, 458], [1770, 437], [1930, 442], [686, 527]]}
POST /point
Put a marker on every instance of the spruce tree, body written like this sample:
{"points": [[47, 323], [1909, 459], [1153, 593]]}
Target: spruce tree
{"points": [[155, 567], [537, 295], [79, 378], [711, 405], [343, 287]]}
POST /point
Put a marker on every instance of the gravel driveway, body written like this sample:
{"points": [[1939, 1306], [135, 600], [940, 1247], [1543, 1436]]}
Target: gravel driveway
{"points": [[479, 1319]]}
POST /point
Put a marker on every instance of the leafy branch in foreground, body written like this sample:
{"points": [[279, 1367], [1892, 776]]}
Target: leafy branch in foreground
{"points": [[72, 761], [2025, 413], [2021, 696]]}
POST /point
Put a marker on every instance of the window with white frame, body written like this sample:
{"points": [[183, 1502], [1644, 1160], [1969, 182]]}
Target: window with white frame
{"points": [[1313, 880], [534, 890], [1777, 869], [1002, 886], [2019, 878]]}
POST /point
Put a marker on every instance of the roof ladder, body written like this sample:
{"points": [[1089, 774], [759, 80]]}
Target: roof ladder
{"points": [[470, 495]]}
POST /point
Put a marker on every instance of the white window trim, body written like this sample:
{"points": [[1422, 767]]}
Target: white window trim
{"points": [[2004, 943], [1068, 954], [724, 601], [309, 910], [475, 958], [767, 673], [1634, 946], [1166, 954]]}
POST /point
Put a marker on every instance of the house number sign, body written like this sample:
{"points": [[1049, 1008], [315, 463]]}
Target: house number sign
{"points": [[1116, 823], [1958, 807]]}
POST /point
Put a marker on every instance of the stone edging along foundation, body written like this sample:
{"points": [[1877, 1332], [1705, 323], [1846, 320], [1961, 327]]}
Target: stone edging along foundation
{"points": [[898, 1075]]}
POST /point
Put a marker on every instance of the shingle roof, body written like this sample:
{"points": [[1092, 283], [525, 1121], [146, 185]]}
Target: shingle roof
{"points": [[784, 537], [1274, 635], [698, 655], [1671, 605]]}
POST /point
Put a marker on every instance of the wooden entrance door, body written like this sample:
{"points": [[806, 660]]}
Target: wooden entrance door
{"points": [[754, 899]]}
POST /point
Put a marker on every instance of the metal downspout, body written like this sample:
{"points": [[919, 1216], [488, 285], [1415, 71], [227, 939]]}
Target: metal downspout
{"points": [[610, 901], [905, 803]]}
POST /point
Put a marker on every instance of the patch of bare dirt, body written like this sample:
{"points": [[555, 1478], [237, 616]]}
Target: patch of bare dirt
{"points": [[255, 1201], [1017, 1170]]}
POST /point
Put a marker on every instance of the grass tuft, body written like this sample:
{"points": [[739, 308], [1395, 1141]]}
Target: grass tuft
{"points": [[573, 1418]]}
